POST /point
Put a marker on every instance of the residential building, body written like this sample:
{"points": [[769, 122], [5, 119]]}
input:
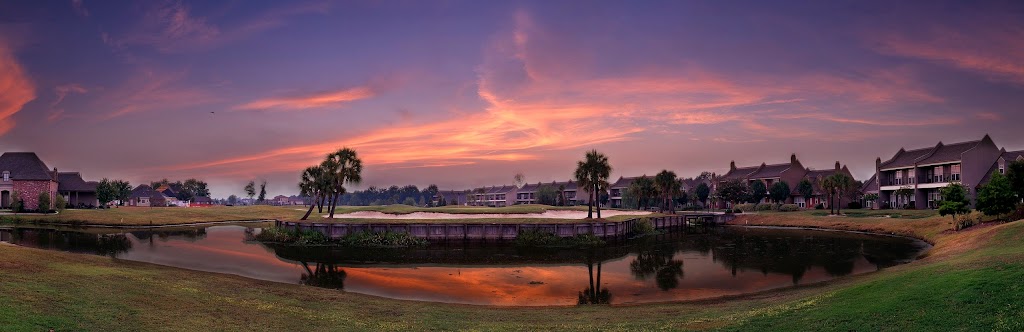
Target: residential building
{"points": [[1002, 164], [819, 196], [452, 197], [870, 187], [791, 173], [528, 193], [144, 195], [922, 173], [618, 189], [24, 173], [77, 192], [201, 201], [569, 190], [493, 196]]}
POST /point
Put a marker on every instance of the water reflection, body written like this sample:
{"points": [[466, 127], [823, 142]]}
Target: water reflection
{"points": [[675, 266]]}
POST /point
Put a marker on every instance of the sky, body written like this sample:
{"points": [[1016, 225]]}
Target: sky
{"points": [[469, 93]]}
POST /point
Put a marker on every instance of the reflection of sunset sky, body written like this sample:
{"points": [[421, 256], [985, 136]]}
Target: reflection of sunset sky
{"points": [[223, 250]]}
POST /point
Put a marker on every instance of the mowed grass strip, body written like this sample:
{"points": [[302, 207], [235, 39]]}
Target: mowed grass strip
{"points": [[975, 284]]}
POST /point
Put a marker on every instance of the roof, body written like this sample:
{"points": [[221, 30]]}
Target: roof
{"points": [[202, 199], [1013, 155], [72, 181], [623, 182], [770, 171], [946, 153], [25, 166], [144, 190], [739, 173], [906, 158]]}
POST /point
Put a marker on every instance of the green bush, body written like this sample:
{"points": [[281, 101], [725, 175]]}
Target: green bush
{"points": [[819, 206], [727, 211], [44, 202], [735, 211], [17, 204], [746, 207], [967, 220], [292, 236], [854, 205], [766, 207], [60, 204], [643, 227], [388, 239], [789, 208], [538, 238]]}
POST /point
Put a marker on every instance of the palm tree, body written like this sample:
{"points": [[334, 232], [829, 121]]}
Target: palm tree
{"points": [[592, 173], [828, 185], [315, 183], [668, 186], [345, 167], [843, 185]]}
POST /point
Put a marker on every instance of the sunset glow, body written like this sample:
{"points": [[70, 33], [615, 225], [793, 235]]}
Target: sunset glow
{"points": [[464, 94]]}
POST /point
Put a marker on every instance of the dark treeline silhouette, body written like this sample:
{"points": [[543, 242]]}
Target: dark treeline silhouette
{"points": [[409, 195]]}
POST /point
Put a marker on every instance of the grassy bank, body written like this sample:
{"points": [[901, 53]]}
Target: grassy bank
{"points": [[145, 216], [971, 281]]}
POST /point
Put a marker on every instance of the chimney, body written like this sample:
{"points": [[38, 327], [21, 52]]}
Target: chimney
{"points": [[878, 163], [732, 165], [838, 167], [55, 176], [792, 159]]}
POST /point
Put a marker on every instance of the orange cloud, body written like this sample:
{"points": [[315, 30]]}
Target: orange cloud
{"points": [[16, 86], [317, 100], [992, 49]]}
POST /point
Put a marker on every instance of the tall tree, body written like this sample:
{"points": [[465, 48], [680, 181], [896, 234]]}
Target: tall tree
{"points": [[346, 168], [519, 179], [779, 192], [547, 195], [954, 200], [105, 192], [250, 190], [643, 190], [122, 190], [668, 187], [806, 189], [733, 191], [263, 191], [592, 173], [996, 197], [758, 191], [843, 185], [703, 191], [314, 183], [232, 199], [828, 186]]}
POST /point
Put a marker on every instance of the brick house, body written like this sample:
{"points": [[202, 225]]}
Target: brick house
{"points": [[24, 173], [791, 173]]}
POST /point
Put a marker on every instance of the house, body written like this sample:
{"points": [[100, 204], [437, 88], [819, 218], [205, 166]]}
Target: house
{"points": [[201, 201], [870, 187], [922, 173], [76, 191], [25, 174], [1001, 165], [618, 189], [527, 194], [144, 195], [493, 196], [569, 190], [452, 197], [819, 196], [790, 173]]}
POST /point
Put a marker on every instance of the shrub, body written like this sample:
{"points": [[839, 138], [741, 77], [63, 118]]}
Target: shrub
{"points": [[643, 227], [292, 236], [17, 204], [44, 202], [962, 221], [746, 207], [766, 207], [789, 208], [819, 206], [60, 204], [369, 239], [854, 205], [539, 238], [727, 211]]}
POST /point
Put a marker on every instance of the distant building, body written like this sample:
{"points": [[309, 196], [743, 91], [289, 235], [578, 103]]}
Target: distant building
{"points": [[144, 195], [77, 192], [791, 173], [618, 189], [493, 196]]}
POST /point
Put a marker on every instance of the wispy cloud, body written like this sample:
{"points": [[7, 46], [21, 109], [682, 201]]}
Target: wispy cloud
{"points": [[316, 100], [62, 92], [154, 89], [17, 88]]}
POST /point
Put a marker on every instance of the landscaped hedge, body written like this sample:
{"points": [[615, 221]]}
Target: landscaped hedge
{"points": [[789, 208], [746, 207]]}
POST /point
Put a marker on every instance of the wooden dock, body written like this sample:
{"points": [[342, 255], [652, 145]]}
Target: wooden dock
{"points": [[508, 231]]}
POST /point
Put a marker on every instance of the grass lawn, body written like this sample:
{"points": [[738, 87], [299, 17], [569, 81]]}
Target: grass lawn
{"points": [[144, 216], [971, 280]]}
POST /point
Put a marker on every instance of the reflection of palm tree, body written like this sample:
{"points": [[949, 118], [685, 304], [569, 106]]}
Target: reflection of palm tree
{"points": [[325, 275], [666, 271], [594, 294]]}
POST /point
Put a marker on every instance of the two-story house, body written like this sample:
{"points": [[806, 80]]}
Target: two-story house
{"points": [[914, 178]]}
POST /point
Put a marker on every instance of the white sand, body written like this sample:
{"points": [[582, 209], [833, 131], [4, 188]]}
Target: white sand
{"points": [[553, 214]]}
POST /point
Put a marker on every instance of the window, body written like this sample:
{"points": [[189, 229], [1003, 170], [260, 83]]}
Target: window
{"points": [[910, 176], [1002, 167], [955, 173], [7, 176]]}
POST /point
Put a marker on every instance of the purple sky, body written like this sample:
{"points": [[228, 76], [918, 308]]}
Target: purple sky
{"points": [[467, 93]]}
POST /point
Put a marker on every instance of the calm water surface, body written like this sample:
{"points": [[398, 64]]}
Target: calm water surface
{"points": [[677, 266]]}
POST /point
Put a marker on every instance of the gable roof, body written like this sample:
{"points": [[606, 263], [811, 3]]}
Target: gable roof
{"points": [[25, 166], [906, 158], [739, 173], [1011, 156], [769, 171], [72, 181], [950, 152], [144, 190], [624, 182], [870, 186]]}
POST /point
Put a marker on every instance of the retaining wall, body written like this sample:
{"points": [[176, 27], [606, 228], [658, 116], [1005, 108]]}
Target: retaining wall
{"points": [[502, 231]]}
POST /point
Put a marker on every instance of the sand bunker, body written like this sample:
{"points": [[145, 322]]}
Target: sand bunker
{"points": [[559, 214]]}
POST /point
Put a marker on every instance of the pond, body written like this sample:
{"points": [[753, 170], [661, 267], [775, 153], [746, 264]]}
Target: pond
{"points": [[701, 263]]}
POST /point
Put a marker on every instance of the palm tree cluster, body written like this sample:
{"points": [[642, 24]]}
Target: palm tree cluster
{"points": [[643, 190], [592, 173], [669, 187], [325, 182], [835, 187]]}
